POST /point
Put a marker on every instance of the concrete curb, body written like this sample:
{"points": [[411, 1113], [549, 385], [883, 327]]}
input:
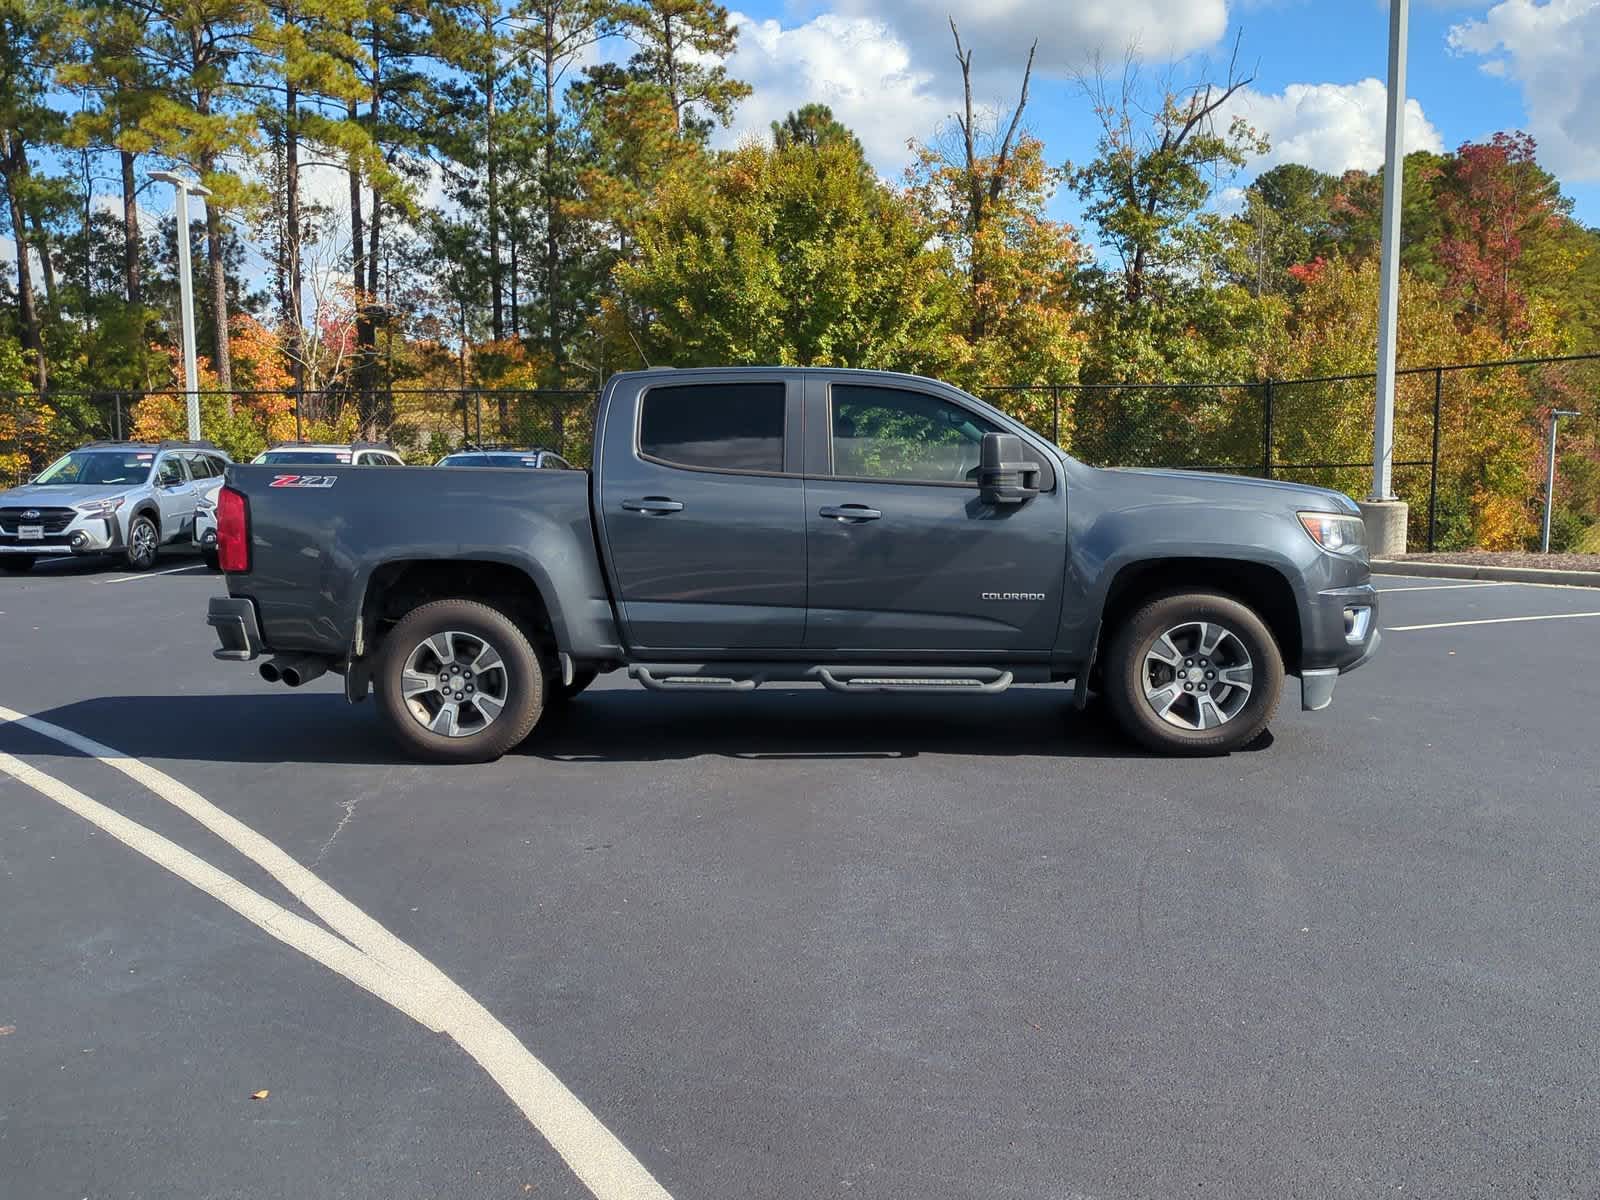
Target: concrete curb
{"points": [[1433, 570]]}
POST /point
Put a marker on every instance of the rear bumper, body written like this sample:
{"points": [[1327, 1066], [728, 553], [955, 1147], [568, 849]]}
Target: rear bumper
{"points": [[238, 631]]}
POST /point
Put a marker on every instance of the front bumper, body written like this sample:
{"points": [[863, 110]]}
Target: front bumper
{"points": [[84, 535], [1342, 635], [238, 630]]}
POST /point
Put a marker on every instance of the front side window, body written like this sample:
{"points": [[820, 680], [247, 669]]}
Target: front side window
{"points": [[718, 426], [895, 433], [170, 472], [100, 467]]}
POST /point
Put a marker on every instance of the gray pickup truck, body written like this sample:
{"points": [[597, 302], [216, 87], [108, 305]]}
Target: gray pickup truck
{"points": [[865, 531]]}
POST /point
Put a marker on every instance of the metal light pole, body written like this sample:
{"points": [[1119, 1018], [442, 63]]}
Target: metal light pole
{"points": [[1550, 476], [1389, 285], [191, 377]]}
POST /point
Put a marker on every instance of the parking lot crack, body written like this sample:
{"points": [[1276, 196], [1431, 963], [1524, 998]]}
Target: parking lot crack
{"points": [[349, 807]]}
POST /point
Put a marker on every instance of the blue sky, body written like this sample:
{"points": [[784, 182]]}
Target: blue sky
{"points": [[886, 67]]}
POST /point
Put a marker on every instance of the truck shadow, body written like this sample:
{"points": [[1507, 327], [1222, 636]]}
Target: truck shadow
{"points": [[618, 724]]}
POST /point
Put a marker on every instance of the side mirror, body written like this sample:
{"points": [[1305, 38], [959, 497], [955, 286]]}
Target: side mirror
{"points": [[1003, 476]]}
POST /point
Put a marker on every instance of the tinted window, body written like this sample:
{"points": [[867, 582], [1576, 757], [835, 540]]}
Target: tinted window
{"points": [[170, 471], [200, 466], [726, 426], [306, 458], [464, 460], [891, 433]]}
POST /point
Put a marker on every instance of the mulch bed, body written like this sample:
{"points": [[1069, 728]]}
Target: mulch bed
{"points": [[1513, 558]]}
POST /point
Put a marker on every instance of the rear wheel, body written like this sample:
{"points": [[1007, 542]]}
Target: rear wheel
{"points": [[209, 555], [144, 544], [458, 681], [16, 564], [1194, 673]]}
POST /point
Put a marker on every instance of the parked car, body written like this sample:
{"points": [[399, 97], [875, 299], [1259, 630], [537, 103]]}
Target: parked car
{"points": [[865, 531], [120, 498], [321, 454], [537, 458]]}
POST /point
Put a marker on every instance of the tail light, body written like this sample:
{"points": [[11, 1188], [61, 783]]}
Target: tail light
{"points": [[233, 531]]}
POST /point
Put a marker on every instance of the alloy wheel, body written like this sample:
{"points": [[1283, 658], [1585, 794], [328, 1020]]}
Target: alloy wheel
{"points": [[455, 684], [1198, 675]]}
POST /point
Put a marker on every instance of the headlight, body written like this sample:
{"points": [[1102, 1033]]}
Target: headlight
{"points": [[101, 508], [1336, 532]]}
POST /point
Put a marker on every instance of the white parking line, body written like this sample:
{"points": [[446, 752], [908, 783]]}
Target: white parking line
{"points": [[153, 574], [369, 956], [1442, 587], [1489, 621]]}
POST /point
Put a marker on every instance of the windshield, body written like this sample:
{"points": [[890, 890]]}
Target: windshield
{"points": [[306, 457], [105, 467]]}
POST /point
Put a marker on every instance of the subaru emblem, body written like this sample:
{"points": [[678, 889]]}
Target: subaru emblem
{"points": [[31, 514]]}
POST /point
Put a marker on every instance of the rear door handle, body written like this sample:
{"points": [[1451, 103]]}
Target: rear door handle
{"points": [[654, 505], [850, 512]]}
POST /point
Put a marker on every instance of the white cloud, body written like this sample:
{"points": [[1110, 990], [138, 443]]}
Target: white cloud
{"points": [[1070, 32], [1552, 51], [854, 65], [1334, 127]]}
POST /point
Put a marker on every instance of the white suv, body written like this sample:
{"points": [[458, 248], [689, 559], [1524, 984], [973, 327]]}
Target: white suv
{"points": [[121, 498]]}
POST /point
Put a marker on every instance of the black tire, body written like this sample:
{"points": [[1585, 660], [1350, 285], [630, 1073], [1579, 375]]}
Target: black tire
{"points": [[209, 555], [524, 681], [16, 564], [1125, 667], [144, 544], [560, 693]]}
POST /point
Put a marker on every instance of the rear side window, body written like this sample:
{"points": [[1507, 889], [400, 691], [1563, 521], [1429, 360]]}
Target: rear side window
{"points": [[720, 426], [200, 467]]}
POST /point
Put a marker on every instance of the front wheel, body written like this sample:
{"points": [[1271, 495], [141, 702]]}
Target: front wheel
{"points": [[1194, 673], [458, 681], [144, 543]]}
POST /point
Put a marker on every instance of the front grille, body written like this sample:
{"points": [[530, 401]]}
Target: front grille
{"points": [[54, 520]]}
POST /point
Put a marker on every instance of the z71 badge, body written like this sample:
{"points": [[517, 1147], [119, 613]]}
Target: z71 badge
{"points": [[306, 481]]}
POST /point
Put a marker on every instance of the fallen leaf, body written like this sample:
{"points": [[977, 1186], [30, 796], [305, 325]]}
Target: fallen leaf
{"points": [[261, 1095], [7, 1029]]}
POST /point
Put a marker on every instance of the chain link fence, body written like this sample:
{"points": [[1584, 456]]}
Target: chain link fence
{"points": [[1469, 439]]}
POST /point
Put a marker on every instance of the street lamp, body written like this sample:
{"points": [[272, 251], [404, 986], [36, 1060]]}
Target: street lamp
{"points": [[1550, 476], [1386, 516], [191, 379]]}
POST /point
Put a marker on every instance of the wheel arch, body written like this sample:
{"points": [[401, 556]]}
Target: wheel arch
{"points": [[1257, 585], [395, 588]]}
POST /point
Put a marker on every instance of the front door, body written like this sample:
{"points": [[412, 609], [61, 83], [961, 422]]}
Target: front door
{"points": [[703, 513], [903, 554], [175, 497]]}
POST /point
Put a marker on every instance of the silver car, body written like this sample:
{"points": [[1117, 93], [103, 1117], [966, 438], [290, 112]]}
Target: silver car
{"points": [[120, 498]]}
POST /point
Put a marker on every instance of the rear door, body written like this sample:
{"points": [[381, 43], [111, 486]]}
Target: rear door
{"points": [[703, 511], [903, 553]]}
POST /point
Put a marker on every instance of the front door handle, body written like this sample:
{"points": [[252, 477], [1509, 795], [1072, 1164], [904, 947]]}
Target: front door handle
{"points": [[850, 512], [658, 506]]}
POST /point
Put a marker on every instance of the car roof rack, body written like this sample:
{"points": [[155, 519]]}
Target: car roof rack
{"points": [[164, 444], [500, 448]]}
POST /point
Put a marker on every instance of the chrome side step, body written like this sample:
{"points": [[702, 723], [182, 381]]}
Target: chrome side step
{"points": [[746, 677]]}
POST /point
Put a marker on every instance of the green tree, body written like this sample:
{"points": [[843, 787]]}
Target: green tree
{"points": [[680, 47], [791, 256]]}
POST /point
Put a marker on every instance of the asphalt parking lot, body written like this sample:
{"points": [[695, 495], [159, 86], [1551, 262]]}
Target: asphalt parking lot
{"points": [[799, 945]]}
